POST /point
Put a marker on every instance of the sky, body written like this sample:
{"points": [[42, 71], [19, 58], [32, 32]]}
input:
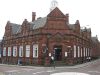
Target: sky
{"points": [[86, 11]]}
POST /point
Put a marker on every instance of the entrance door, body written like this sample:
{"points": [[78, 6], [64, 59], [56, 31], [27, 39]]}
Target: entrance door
{"points": [[58, 53]]}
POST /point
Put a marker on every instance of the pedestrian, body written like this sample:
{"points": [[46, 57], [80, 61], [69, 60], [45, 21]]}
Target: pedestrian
{"points": [[52, 61]]}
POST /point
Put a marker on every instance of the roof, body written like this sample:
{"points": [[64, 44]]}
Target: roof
{"points": [[89, 29], [94, 39], [86, 29], [15, 28], [56, 13], [72, 26], [38, 23]]}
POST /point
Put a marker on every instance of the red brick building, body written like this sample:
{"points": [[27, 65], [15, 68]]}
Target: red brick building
{"points": [[35, 42]]}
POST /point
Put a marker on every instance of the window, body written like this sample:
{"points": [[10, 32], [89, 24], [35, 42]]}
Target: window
{"points": [[15, 51], [84, 51], [35, 50], [4, 51], [81, 53], [27, 50], [88, 52], [74, 50], [78, 51], [20, 51], [9, 51]]}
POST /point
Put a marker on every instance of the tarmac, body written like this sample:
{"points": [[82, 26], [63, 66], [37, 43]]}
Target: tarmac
{"points": [[93, 62]]}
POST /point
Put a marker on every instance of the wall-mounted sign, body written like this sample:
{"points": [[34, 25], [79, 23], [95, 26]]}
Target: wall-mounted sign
{"points": [[66, 54], [49, 54]]}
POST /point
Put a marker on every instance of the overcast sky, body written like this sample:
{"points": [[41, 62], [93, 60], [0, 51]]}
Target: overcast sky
{"points": [[86, 11]]}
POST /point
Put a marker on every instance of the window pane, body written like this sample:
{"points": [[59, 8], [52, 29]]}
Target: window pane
{"points": [[78, 51], [15, 51], [74, 51], [84, 52], [81, 53], [9, 51], [21, 51], [35, 50], [27, 50], [4, 51]]}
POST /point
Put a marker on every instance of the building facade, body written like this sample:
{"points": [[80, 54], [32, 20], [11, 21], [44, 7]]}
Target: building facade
{"points": [[35, 42]]}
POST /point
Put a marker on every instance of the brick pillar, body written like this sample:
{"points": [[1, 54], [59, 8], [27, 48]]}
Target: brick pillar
{"points": [[47, 61]]}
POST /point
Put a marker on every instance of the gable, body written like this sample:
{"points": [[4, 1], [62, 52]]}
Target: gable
{"points": [[56, 13], [57, 37]]}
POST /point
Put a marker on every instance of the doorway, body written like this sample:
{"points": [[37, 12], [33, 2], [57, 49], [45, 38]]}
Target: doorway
{"points": [[58, 53]]}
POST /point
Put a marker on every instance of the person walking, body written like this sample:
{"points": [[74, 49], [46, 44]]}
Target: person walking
{"points": [[52, 61]]}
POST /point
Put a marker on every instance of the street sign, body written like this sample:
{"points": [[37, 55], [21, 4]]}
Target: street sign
{"points": [[49, 54], [66, 54]]}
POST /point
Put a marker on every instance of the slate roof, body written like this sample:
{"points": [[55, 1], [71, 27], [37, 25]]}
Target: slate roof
{"points": [[15, 28], [38, 23], [83, 30], [89, 29], [94, 39], [86, 29], [72, 26]]}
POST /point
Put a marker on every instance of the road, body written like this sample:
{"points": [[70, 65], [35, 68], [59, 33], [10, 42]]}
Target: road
{"points": [[92, 68]]}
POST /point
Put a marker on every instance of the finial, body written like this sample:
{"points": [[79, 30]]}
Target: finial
{"points": [[54, 4]]}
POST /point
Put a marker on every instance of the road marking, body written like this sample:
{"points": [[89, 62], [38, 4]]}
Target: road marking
{"points": [[12, 71], [27, 70], [51, 70], [38, 72], [94, 71], [44, 71]]}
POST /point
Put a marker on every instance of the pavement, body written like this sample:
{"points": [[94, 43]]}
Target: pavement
{"points": [[75, 66], [39, 69], [69, 73]]}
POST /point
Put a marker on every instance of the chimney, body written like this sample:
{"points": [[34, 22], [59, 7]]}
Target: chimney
{"points": [[33, 16], [67, 18]]}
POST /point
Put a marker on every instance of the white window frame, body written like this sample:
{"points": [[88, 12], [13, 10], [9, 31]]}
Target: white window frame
{"points": [[84, 52], [81, 52], [35, 50], [20, 51], [74, 51], [27, 51], [91, 52], [14, 51], [88, 52], [78, 51], [9, 51], [4, 51]]}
